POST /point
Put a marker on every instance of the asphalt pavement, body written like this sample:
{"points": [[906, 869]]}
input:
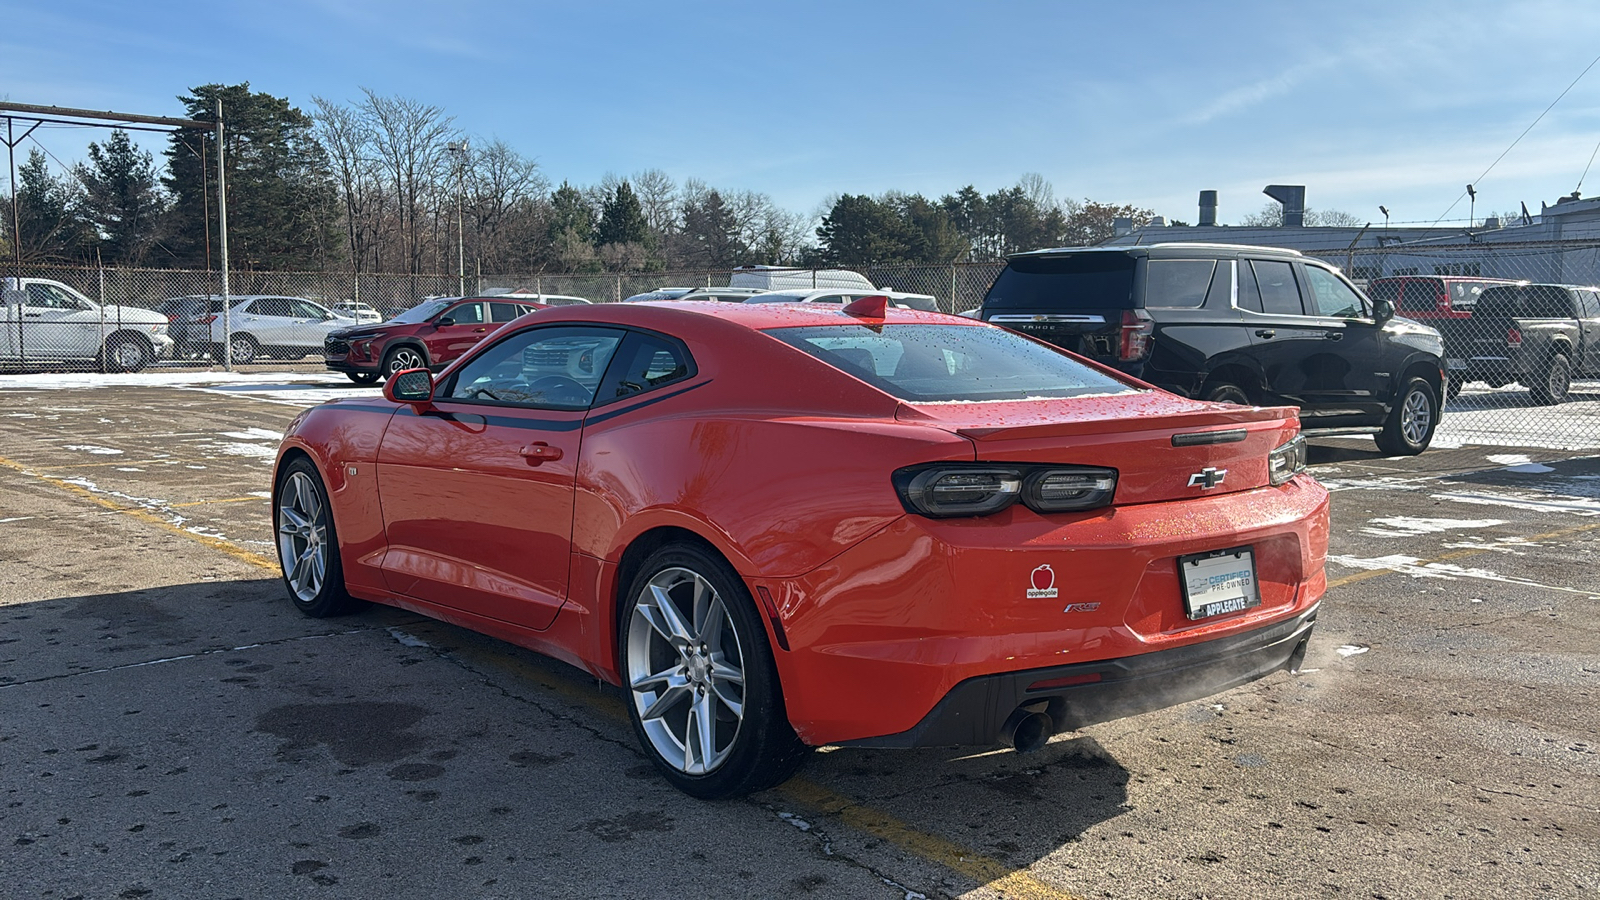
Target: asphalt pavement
{"points": [[170, 727]]}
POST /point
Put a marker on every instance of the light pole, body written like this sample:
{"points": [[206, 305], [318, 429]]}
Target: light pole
{"points": [[458, 149]]}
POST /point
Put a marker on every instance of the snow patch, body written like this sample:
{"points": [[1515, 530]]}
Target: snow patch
{"points": [[1349, 650], [407, 639], [91, 448], [1581, 506], [1405, 526], [1530, 469], [259, 451], [255, 434]]}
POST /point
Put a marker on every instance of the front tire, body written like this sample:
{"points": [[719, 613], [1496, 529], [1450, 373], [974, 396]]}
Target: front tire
{"points": [[1412, 420], [1556, 384], [308, 546], [402, 358], [127, 353], [705, 700], [363, 377], [242, 349]]}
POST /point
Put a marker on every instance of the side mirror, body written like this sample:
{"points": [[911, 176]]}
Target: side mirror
{"points": [[409, 386], [444, 321], [1382, 311]]}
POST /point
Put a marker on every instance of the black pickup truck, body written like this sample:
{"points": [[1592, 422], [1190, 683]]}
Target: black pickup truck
{"points": [[1539, 335]]}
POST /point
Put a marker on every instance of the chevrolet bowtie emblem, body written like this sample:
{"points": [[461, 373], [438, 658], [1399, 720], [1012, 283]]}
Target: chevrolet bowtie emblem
{"points": [[1208, 478]]}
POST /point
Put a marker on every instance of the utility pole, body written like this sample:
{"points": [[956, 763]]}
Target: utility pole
{"points": [[458, 149], [222, 245]]}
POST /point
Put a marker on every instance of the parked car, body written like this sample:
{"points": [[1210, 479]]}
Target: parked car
{"points": [[997, 537], [357, 310], [541, 299], [1250, 325], [661, 293], [898, 299], [1443, 302], [44, 321], [271, 326], [1540, 335], [722, 294], [779, 278], [427, 336], [189, 323]]}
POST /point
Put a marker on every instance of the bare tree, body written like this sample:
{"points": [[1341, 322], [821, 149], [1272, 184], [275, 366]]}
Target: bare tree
{"points": [[502, 188], [410, 138], [348, 137], [658, 196]]}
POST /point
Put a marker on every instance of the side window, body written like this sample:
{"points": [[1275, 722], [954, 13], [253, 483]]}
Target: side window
{"points": [[1590, 302], [644, 363], [505, 312], [1332, 297], [831, 298], [546, 368], [1419, 296], [258, 308], [304, 309], [467, 313], [1279, 295], [1220, 294], [48, 296], [1177, 283], [1249, 294]]}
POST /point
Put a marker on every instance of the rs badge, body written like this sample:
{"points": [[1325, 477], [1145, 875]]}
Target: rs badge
{"points": [[1043, 584]]}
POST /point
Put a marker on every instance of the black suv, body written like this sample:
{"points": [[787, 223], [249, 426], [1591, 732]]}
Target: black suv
{"points": [[1235, 324]]}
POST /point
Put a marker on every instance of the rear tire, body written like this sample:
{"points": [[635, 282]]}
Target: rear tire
{"points": [[1412, 420], [1223, 392], [1556, 384], [242, 349], [308, 545], [363, 377], [704, 697]]}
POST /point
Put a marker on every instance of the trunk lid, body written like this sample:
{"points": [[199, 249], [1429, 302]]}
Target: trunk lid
{"points": [[1134, 434]]}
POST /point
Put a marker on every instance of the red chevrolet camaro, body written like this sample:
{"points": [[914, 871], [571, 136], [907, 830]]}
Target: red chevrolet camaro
{"points": [[783, 526]]}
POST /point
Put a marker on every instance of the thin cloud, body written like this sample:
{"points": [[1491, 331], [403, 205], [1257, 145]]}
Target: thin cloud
{"points": [[1242, 98]]}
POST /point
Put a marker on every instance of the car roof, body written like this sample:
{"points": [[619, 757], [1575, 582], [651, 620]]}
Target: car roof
{"points": [[1170, 249]]}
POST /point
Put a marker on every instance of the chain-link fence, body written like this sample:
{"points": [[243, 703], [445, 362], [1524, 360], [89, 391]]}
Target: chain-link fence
{"points": [[1524, 362]]}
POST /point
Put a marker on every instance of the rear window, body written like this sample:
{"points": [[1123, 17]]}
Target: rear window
{"points": [[1538, 301], [944, 363], [1083, 281]]}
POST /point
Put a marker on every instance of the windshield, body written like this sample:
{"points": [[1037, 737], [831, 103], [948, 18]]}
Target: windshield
{"points": [[943, 363], [1096, 280], [422, 312]]}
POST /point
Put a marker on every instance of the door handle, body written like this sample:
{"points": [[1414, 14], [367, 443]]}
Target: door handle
{"points": [[1333, 336], [1265, 332], [479, 330], [539, 452], [33, 315]]}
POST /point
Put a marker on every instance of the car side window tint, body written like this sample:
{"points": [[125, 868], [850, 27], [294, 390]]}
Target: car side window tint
{"points": [[560, 367], [1279, 295], [1419, 296], [1590, 301], [505, 312], [831, 298], [1249, 294], [304, 309], [467, 313], [1332, 297], [1177, 283], [644, 363], [1220, 294]]}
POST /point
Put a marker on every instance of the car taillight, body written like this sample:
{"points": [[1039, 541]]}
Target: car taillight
{"points": [[1514, 336], [944, 490], [1137, 329], [1287, 461], [205, 320]]}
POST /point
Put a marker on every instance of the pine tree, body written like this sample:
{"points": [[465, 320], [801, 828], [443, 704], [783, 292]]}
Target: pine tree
{"points": [[622, 219], [122, 203], [47, 214]]}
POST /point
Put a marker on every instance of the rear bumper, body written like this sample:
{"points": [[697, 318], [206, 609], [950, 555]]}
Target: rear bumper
{"points": [[976, 710], [924, 607]]}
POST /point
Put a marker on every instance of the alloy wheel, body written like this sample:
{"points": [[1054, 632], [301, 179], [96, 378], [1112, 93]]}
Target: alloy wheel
{"points": [[242, 350], [1558, 380], [1416, 416], [405, 358], [302, 536], [128, 355], [685, 668]]}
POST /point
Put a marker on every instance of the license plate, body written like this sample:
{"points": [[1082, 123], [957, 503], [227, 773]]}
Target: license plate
{"points": [[1223, 581]]}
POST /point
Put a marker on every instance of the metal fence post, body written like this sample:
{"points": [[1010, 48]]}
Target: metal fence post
{"points": [[222, 234]]}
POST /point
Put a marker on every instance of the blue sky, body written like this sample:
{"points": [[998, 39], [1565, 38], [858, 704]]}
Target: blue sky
{"points": [[1395, 103]]}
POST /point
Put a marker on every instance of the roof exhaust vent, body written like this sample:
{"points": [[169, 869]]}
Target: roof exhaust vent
{"points": [[1293, 198], [1121, 226], [1208, 207]]}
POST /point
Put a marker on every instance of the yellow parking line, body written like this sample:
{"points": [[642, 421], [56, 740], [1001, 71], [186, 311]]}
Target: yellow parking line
{"points": [[224, 500], [121, 462], [1458, 554], [998, 876], [149, 518]]}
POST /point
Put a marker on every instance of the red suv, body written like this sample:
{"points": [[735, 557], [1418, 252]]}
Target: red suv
{"points": [[429, 335]]}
